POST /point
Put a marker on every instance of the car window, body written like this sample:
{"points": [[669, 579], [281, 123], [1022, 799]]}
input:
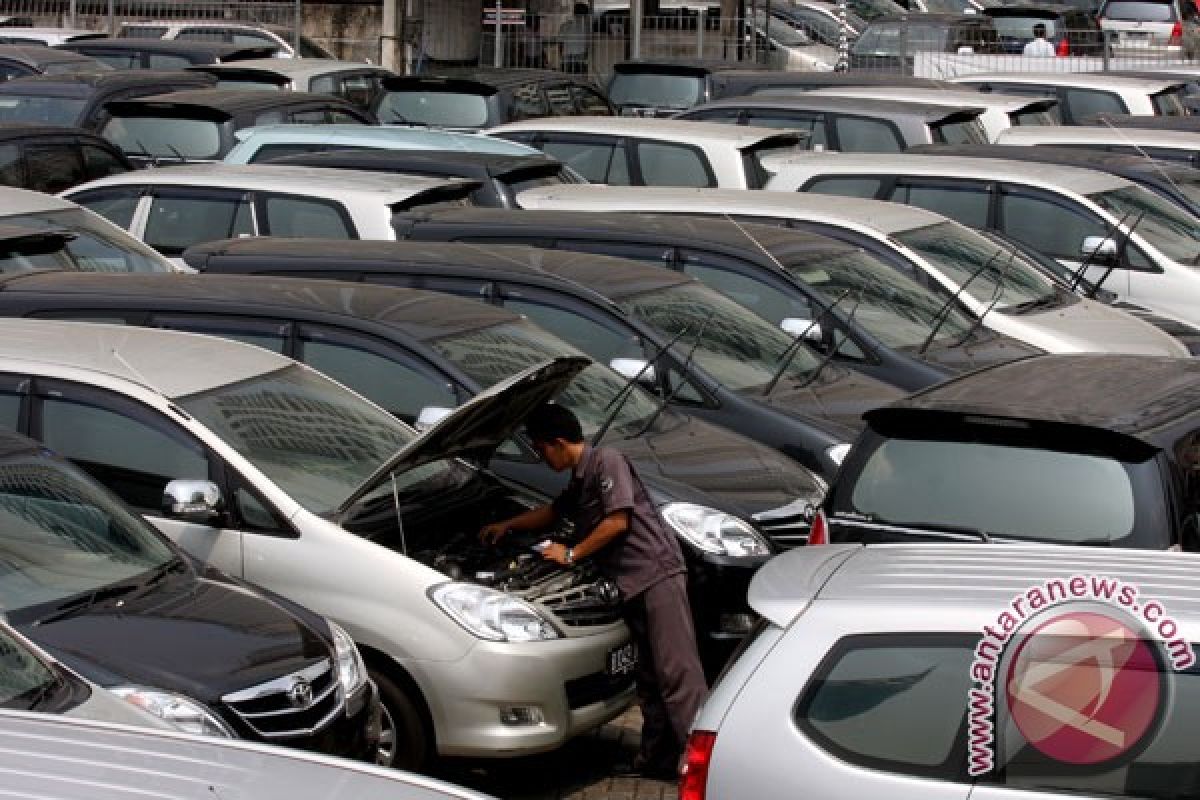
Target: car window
{"points": [[1139, 11], [597, 161], [167, 61], [965, 203], [13, 69], [100, 163], [1169, 103], [142, 32], [305, 217], [260, 333], [249, 39], [861, 135], [1047, 224], [763, 297], [1084, 103], [178, 221], [665, 164], [12, 168], [10, 401], [602, 341], [97, 246], [204, 35], [561, 104], [41, 109], [54, 168], [647, 90], [309, 117], [358, 89], [115, 205], [439, 109], [814, 124], [846, 186]]}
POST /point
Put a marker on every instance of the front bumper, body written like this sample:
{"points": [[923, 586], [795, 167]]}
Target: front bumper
{"points": [[563, 679]]}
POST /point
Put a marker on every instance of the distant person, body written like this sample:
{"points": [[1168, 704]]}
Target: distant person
{"points": [[575, 34], [1039, 47]]}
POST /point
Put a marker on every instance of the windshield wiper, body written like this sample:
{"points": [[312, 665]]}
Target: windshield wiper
{"points": [[789, 354], [674, 390], [618, 400], [943, 313], [86, 601], [833, 349], [997, 293], [1077, 275], [1122, 243]]}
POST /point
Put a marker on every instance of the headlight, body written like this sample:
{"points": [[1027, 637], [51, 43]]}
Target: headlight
{"points": [[182, 712], [715, 531], [837, 453], [351, 670], [490, 614]]}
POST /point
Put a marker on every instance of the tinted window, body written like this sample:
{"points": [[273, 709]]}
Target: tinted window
{"points": [[178, 222], [648, 90], [357, 89], [54, 168], [271, 151], [115, 205], [847, 187], [1161, 223], [304, 217], [311, 117], [1021, 27], [860, 135], [1169, 103], [34, 108], [100, 163], [1139, 10], [142, 32], [203, 35], [1086, 102], [665, 164], [527, 101], [962, 132], [603, 342], [1049, 225], [890, 39], [445, 109], [763, 298], [167, 61], [267, 335], [962, 203], [98, 246], [589, 102], [598, 162], [165, 137], [250, 84], [560, 100], [253, 39]]}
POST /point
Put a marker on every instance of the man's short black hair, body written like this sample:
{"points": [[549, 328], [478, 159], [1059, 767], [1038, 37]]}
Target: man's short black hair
{"points": [[550, 421], [1039, 30]]}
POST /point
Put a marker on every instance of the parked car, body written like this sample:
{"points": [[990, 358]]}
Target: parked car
{"points": [[890, 42], [51, 158], [72, 760], [643, 321], [40, 231], [225, 32], [200, 124], [1082, 94], [352, 81], [661, 88], [1147, 28], [884, 327], [500, 177], [417, 354], [1073, 31], [17, 61], [44, 37], [276, 475], [80, 99], [172, 209], [1129, 442], [787, 47], [156, 54], [1182, 146], [862, 679], [268, 142], [469, 100], [739, 83], [1188, 124], [96, 586], [982, 278], [818, 20], [850, 124]]}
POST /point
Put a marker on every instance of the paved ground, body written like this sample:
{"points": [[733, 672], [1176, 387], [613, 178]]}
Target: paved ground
{"points": [[580, 771]]}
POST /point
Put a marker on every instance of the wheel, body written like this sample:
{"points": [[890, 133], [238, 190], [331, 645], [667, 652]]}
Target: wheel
{"points": [[404, 740]]}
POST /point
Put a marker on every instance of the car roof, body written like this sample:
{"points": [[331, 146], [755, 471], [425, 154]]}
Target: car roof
{"points": [[420, 314], [474, 79], [1098, 80], [964, 97], [1106, 120], [1076, 179], [677, 130], [1067, 134], [821, 101], [228, 101], [974, 579], [291, 68], [170, 363], [877, 214], [1123, 164], [740, 80], [450, 163], [84, 84], [31, 130], [373, 135], [34, 54], [159, 46]]}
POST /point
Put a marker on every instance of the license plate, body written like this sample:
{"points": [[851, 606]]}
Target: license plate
{"points": [[622, 660]]}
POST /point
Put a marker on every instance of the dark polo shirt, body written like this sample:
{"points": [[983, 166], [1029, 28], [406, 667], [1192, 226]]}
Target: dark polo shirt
{"points": [[604, 482]]}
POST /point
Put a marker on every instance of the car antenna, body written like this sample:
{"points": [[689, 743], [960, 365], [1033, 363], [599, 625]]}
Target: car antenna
{"points": [[669, 395], [797, 342], [997, 293], [756, 242], [137, 373], [1154, 162], [944, 312], [399, 516], [1123, 242], [832, 350], [1077, 276], [618, 400]]}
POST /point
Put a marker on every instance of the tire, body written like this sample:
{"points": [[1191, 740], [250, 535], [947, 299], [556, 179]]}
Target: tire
{"points": [[405, 741]]}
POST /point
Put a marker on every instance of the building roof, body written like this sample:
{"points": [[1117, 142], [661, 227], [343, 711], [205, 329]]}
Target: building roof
{"points": [[679, 130]]}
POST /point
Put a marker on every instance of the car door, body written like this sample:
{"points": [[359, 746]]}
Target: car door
{"points": [[305, 217]]}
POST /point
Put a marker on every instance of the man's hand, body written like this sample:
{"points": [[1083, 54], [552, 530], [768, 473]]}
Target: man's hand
{"points": [[493, 533], [556, 553]]}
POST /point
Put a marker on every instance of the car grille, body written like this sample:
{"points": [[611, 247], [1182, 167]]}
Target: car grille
{"points": [[787, 526], [299, 704], [594, 688], [584, 606]]}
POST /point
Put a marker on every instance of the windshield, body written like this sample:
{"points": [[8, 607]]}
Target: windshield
{"points": [[165, 137], [439, 109], [98, 246], [62, 535], [316, 440], [892, 307], [741, 350], [490, 355], [41, 109], [23, 677], [1187, 185], [959, 253], [1174, 232], [654, 91]]}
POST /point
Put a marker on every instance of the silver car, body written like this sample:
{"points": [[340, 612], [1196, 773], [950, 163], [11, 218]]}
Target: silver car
{"points": [[939, 672]]}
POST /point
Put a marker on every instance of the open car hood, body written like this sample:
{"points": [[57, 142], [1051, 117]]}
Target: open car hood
{"points": [[476, 428]]}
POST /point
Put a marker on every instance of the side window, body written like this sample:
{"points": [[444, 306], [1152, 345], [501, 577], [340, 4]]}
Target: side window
{"points": [[13, 69], [527, 102], [131, 449], [12, 168], [269, 152], [100, 163], [735, 282], [814, 124], [401, 388], [287, 215], [664, 164], [846, 187], [337, 117], [597, 161], [1046, 224], [268, 335], [11, 390], [470, 288], [271, 118], [250, 39], [861, 135], [167, 61], [1082, 103], [177, 221], [357, 89], [53, 168], [965, 203], [115, 205], [603, 341], [658, 255]]}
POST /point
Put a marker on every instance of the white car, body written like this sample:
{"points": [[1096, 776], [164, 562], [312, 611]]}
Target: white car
{"points": [[273, 473], [350, 80], [47, 36], [1082, 94], [965, 267], [642, 151], [225, 32], [173, 208], [1077, 216]]}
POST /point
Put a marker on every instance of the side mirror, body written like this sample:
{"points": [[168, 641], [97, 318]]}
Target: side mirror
{"points": [[629, 367], [796, 326], [192, 501], [1100, 249], [430, 416]]}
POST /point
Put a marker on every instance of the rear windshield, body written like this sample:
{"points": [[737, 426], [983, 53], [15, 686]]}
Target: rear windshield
{"points": [[40, 108], [442, 109], [166, 137], [96, 245], [655, 91], [1139, 10]]}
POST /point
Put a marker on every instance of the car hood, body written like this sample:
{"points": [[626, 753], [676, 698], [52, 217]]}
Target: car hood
{"points": [[838, 396], [476, 428], [186, 633], [1089, 326], [984, 349]]}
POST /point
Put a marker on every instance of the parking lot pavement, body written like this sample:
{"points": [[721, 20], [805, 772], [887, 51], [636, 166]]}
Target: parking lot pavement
{"points": [[580, 771]]}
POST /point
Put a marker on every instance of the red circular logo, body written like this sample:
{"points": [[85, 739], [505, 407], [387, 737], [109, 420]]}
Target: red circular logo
{"points": [[1084, 688]]}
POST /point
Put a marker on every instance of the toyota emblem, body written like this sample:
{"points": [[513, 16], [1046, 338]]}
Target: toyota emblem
{"points": [[300, 694]]}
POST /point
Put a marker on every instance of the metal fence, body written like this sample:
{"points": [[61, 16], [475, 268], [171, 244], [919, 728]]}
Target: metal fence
{"points": [[107, 15]]}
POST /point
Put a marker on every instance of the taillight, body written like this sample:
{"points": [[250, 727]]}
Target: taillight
{"points": [[1177, 33], [819, 532], [693, 778], [1064, 47]]}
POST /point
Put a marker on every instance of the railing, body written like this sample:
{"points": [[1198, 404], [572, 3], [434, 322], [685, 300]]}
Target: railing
{"points": [[108, 15]]}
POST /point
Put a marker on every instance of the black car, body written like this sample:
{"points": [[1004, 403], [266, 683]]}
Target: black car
{"points": [[79, 99], [418, 354], [890, 43], [789, 277], [200, 124], [18, 61], [475, 99], [501, 177], [97, 587], [646, 322], [1073, 31], [51, 158], [997, 455], [161, 54]]}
